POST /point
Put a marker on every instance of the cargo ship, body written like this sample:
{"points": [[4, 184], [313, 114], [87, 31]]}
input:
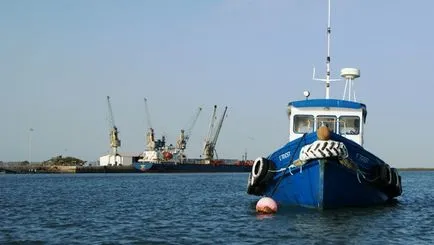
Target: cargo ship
{"points": [[159, 158], [194, 166]]}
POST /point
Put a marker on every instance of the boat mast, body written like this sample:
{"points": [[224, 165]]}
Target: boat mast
{"points": [[329, 30], [327, 80]]}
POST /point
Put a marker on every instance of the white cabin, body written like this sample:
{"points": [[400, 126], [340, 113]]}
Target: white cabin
{"points": [[343, 117]]}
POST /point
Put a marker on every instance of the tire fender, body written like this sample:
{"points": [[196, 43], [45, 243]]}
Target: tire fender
{"points": [[259, 170]]}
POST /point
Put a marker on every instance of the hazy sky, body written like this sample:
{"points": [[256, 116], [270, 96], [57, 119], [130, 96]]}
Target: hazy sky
{"points": [[59, 60]]}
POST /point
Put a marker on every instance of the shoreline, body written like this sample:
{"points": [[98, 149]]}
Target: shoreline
{"points": [[415, 169], [40, 169]]}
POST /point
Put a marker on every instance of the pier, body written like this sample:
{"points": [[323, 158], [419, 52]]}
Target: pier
{"points": [[39, 169]]}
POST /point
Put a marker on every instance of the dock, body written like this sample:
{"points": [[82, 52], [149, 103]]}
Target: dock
{"points": [[38, 169]]}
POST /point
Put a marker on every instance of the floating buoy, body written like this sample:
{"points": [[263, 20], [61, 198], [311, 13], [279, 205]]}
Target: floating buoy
{"points": [[266, 205], [323, 133]]}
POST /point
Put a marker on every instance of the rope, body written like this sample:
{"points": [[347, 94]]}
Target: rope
{"points": [[345, 162], [289, 164], [351, 165], [358, 178], [364, 177], [277, 171], [290, 167]]}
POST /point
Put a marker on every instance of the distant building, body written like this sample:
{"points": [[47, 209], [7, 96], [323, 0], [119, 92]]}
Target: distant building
{"points": [[123, 159]]}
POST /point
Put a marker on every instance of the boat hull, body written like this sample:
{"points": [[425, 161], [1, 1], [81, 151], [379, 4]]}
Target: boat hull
{"points": [[325, 184], [351, 177], [172, 167]]}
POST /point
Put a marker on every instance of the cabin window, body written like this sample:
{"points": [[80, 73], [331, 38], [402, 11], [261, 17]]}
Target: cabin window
{"points": [[303, 124], [329, 121], [349, 125]]}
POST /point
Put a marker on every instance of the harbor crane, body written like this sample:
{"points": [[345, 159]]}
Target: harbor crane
{"points": [[152, 143], [148, 115], [115, 142], [150, 138], [213, 133], [185, 135]]}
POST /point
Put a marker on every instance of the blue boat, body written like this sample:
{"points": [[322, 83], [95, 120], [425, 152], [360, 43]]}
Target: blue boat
{"points": [[324, 164]]}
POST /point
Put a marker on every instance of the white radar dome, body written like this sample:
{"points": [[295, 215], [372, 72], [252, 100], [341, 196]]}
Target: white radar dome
{"points": [[350, 73]]}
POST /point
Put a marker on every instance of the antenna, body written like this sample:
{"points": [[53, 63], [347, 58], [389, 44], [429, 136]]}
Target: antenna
{"points": [[327, 79]]}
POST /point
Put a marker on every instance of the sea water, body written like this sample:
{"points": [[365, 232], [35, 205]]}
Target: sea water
{"points": [[195, 209]]}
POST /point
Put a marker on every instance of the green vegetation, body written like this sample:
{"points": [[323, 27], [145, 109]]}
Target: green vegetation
{"points": [[63, 161]]}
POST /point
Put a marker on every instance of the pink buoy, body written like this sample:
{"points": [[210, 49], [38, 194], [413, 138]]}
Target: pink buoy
{"points": [[266, 205]]}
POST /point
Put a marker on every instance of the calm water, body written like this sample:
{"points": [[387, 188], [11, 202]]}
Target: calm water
{"points": [[195, 209]]}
